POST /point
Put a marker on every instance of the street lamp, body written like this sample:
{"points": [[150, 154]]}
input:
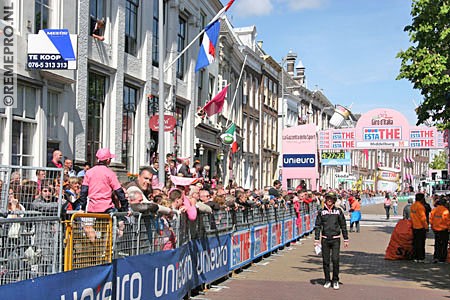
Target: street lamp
{"points": [[176, 148], [201, 150], [220, 155]]}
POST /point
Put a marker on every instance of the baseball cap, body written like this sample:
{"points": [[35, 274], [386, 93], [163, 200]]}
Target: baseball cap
{"points": [[104, 154], [331, 195]]}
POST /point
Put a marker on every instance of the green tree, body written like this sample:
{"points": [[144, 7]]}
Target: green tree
{"points": [[426, 64], [439, 161]]}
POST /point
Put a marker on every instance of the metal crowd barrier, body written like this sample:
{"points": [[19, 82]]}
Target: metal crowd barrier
{"points": [[88, 240], [30, 229], [30, 247], [43, 194], [140, 234], [33, 242]]}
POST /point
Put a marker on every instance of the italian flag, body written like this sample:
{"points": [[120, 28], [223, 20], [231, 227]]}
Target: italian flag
{"points": [[231, 132]]}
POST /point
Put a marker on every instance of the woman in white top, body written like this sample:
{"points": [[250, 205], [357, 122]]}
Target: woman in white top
{"points": [[394, 203]]}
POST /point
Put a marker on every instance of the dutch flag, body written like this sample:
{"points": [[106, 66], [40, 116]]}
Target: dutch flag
{"points": [[207, 52]]}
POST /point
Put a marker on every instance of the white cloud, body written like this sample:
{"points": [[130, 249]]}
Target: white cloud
{"points": [[247, 8], [252, 8], [304, 4]]}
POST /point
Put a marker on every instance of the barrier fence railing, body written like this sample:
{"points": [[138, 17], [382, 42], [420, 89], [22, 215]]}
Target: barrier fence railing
{"points": [[88, 240], [40, 239], [31, 237], [140, 234], [32, 189], [30, 247]]}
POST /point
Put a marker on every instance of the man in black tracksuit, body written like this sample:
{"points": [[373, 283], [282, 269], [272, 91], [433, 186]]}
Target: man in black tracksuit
{"points": [[330, 222]]}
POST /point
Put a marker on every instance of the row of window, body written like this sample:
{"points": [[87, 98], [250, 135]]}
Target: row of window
{"points": [[24, 118], [45, 12]]}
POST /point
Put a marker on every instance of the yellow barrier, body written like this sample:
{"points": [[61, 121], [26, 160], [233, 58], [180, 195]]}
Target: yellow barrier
{"points": [[88, 241]]}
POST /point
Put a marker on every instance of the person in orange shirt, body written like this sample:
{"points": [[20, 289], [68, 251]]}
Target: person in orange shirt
{"points": [[440, 224], [420, 227], [355, 213]]}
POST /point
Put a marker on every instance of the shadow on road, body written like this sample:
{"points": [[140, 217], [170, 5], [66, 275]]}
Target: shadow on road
{"points": [[427, 274], [363, 263]]}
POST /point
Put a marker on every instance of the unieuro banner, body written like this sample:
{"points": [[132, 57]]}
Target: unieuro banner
{"points": [[89, 283], [52, 49], [299, 154], [381, 128]]}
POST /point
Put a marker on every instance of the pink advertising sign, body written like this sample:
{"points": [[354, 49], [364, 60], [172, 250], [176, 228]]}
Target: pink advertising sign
{"points": [[299, 154], [382, 128]]}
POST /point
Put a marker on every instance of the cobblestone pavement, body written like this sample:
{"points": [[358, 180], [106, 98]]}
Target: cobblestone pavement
{"points": [[296, 272]]}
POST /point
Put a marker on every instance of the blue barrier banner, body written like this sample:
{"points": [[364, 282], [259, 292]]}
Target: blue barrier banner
{"points": [[165, 274], [90, 283], [260, 240], [308, 223], [275, 235], [288, 230], [171, 274], [299, 225], [161, 275], [210, 258], [240, 248]]}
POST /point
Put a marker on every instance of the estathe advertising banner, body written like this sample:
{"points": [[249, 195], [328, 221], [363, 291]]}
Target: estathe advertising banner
{"points": [[381, 128], [388, 179]]}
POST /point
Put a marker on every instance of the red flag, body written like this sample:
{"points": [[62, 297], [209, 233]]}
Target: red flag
{"points": [[366, 153], [216, 104]]}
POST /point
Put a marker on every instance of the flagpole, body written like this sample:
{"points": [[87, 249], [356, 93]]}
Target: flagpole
{"points": [[235, 92], [161, 154], [184, 50], [216, 17]]}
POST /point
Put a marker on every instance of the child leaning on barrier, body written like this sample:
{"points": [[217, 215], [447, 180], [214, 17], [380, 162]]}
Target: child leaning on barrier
{"points": [[166, 232]]}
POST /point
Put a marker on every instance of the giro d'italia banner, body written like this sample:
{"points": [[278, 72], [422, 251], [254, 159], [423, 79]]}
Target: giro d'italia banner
{"points": [[160, 275], [52, 49], [381, 128]]}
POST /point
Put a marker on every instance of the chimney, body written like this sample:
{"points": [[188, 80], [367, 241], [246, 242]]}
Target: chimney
{"points": [[300, 77], [290, 61]]}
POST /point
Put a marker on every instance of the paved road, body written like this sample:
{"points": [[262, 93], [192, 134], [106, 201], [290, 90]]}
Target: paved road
{"points": [[296, 273]]}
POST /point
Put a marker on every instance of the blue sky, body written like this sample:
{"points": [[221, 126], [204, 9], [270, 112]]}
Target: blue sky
{"points": [[348, 47]]}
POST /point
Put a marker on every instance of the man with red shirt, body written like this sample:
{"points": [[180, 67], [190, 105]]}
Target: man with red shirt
{"points": [[56, 162]]}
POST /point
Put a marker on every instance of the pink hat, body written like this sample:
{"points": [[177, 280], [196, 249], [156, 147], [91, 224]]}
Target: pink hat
{"points": [[104, 154]]}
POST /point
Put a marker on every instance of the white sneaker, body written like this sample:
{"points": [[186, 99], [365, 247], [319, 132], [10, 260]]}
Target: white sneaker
{"points": [[327, 284], [336, 285]]}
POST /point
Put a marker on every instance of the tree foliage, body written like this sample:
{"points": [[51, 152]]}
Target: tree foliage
{"points": [[440, 161], [426, 63]]}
